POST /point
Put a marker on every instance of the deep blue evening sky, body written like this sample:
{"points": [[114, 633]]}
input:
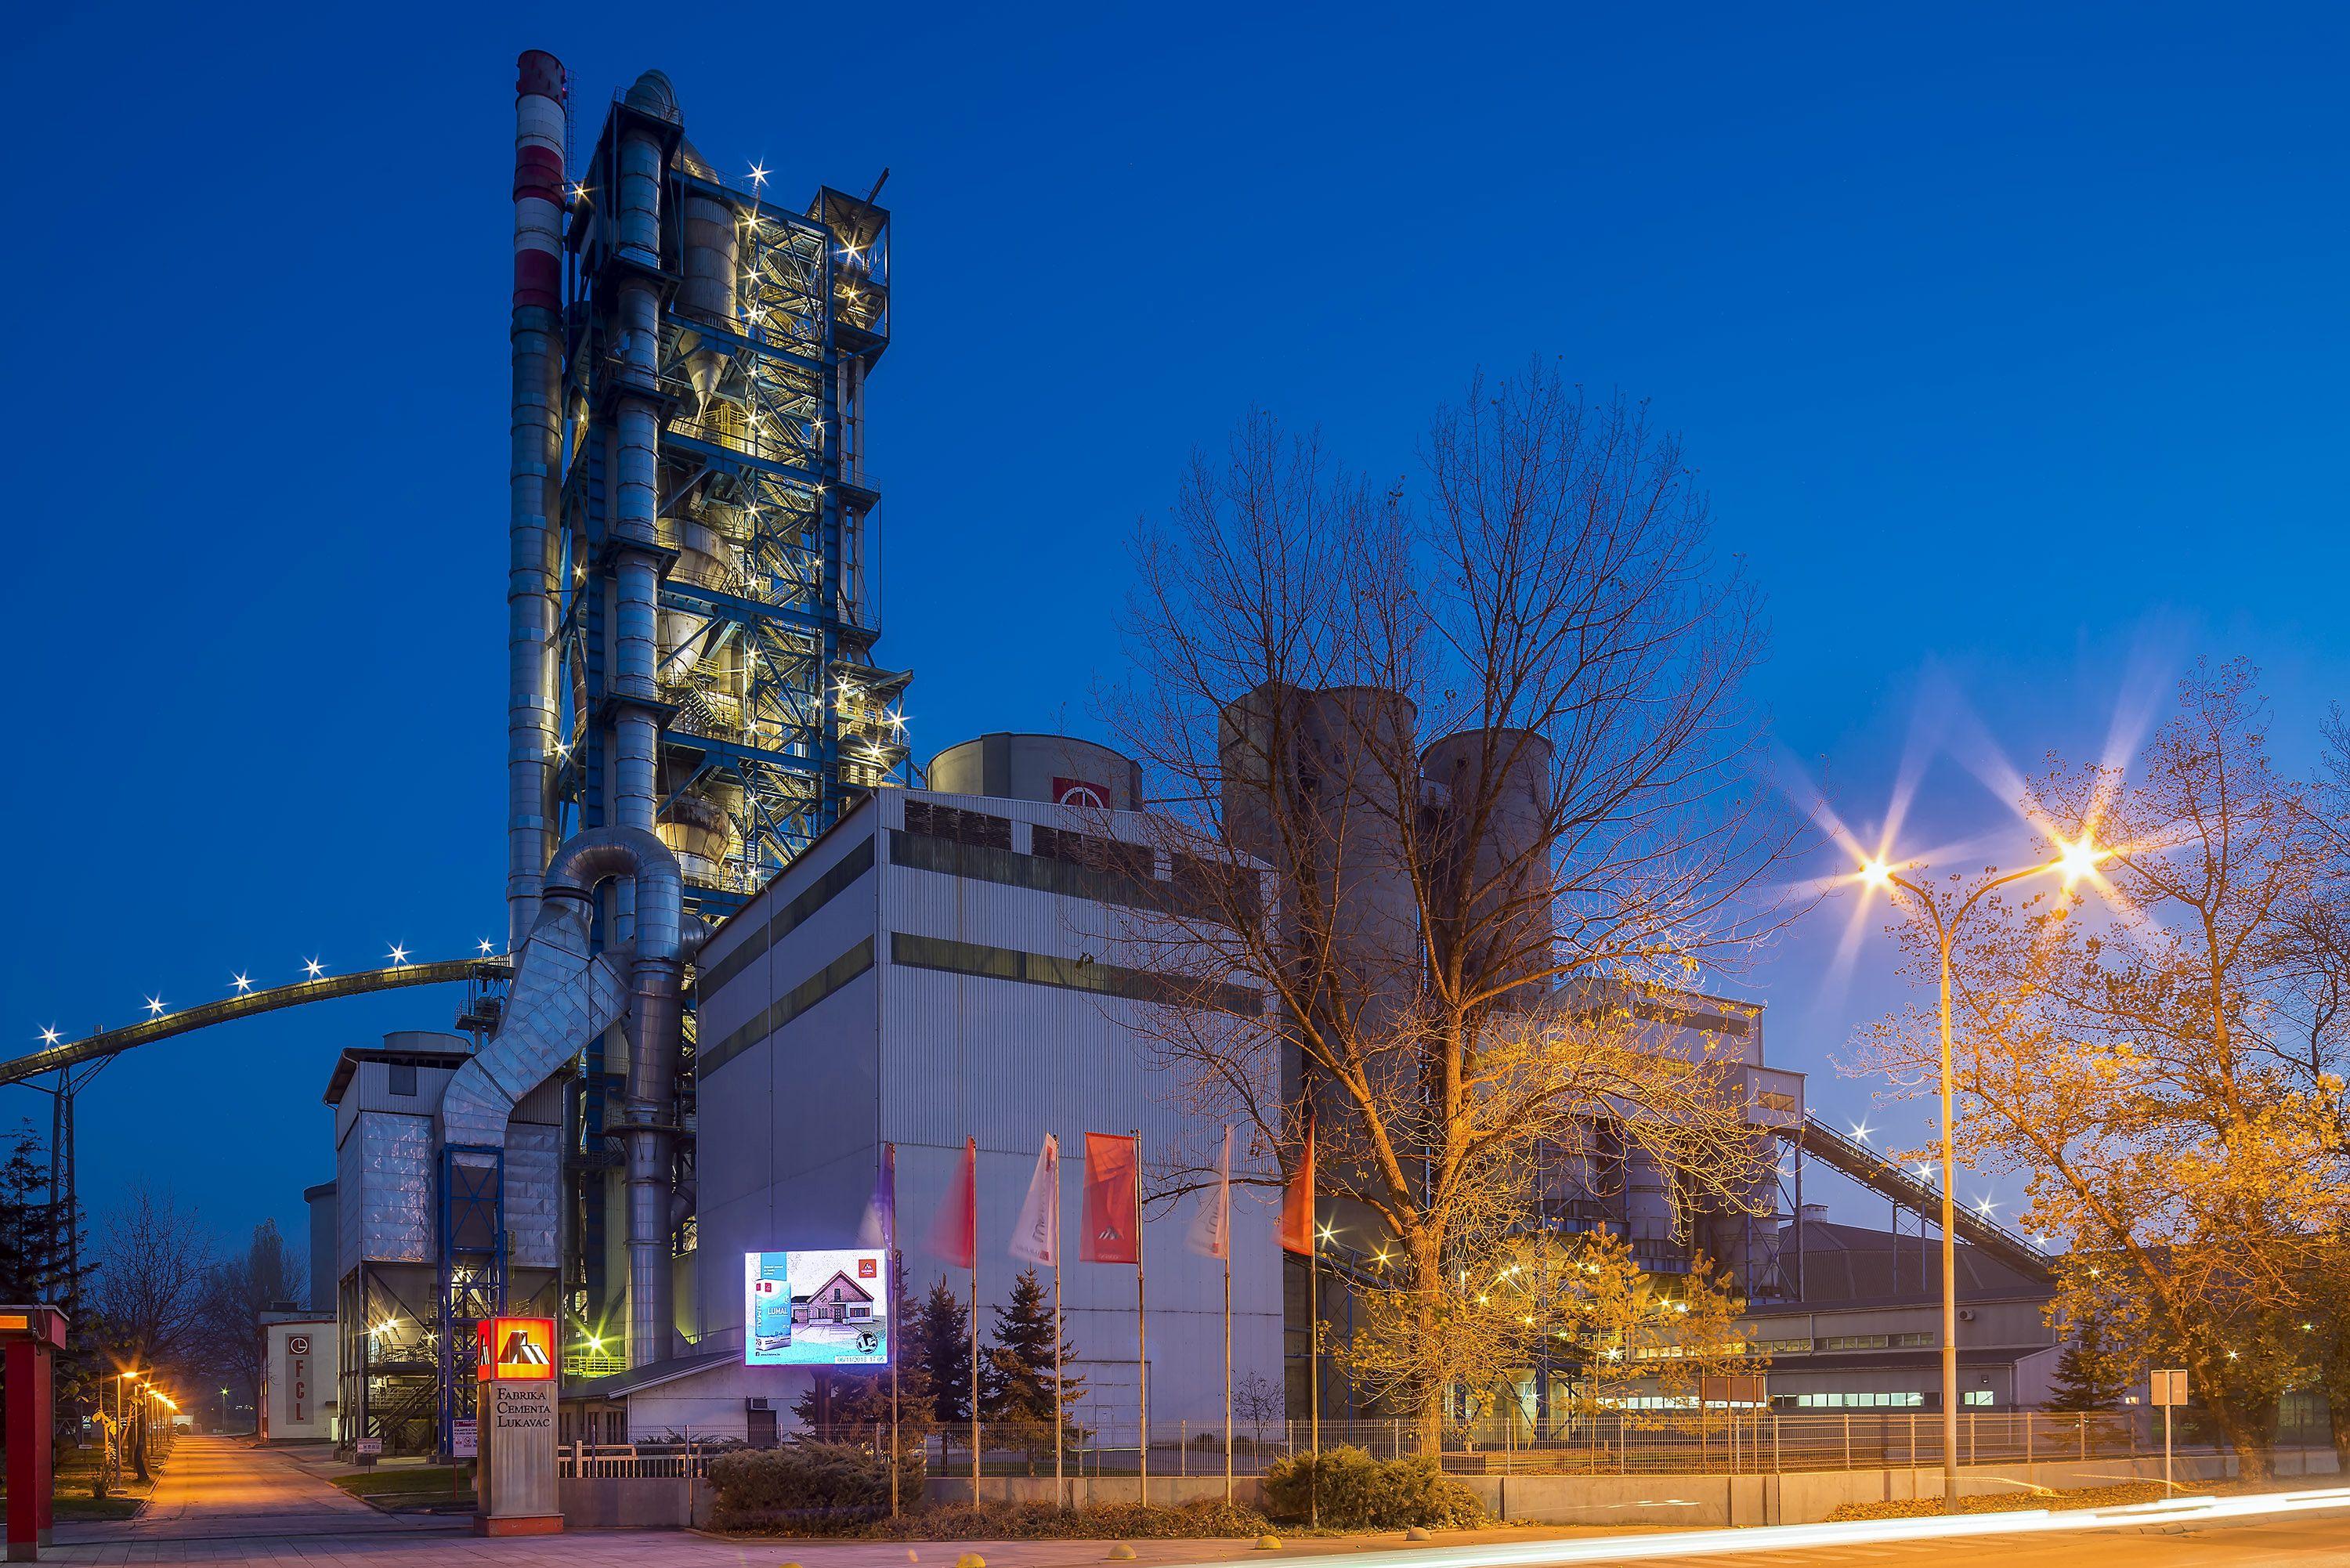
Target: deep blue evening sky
{"points": [[2012, 348]]}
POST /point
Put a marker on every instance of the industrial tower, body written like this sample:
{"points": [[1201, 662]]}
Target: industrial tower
{"points": [[692, 616]]}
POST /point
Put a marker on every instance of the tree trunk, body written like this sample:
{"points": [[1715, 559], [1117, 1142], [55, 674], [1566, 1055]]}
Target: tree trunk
{"points": [[2249, 1435]]}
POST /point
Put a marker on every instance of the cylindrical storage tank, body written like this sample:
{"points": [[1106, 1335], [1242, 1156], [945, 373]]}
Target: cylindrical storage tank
{"points": [[1254, 733], [1359, 740], [1490, 835], [1056, 769]]}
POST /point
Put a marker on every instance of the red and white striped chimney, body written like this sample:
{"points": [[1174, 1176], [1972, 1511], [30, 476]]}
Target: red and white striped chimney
{"points": [[542, 132]]}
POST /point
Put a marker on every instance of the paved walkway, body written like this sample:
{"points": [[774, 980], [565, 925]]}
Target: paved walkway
{"points": [[219, 1489]]}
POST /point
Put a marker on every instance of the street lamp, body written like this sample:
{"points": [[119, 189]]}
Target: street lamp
{"points": [[2075, 860]]}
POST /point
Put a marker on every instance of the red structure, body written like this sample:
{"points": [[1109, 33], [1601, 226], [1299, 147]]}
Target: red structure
{"points": [[33, 1334]]}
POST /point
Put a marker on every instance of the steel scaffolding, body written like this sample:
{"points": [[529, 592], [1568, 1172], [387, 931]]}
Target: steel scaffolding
{"points": [[774, 715]]}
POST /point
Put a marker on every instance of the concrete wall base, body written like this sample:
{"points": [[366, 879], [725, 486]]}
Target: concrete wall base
{"points": [[1808, 1497], [518, 1524], [610, 1503]]}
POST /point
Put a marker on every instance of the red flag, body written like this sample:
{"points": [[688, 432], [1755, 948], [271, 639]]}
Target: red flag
{"points": [[1110, 1206], [1298, 1203], [954, 1234]]}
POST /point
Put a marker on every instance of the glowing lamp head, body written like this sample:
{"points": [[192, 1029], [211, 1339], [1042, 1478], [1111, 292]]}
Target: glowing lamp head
{"points": [[2079, 858], [1876, 873]]}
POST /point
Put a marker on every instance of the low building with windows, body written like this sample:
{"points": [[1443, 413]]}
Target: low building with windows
{"points": [[1867, 1332]]}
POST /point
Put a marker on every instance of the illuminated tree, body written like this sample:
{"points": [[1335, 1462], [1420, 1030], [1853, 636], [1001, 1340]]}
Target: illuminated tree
{"points": [[2128, 1057], [1459, 969]]}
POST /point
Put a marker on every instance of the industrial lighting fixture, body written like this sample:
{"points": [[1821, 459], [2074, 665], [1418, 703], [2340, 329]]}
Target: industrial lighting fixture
{"points": [[1860, 1130], [311, 967], [243, 985], [398, 955], [49, 1035], [1983, 1206], [155, 1007], [485, 944], [758, 176]]}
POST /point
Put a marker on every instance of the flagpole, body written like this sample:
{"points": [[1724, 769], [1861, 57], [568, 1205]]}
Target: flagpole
{"points": [[1060, 1491], [974, 1323], [1228, 1347], [1060, 1421], [889, 1265], [1141, 1326]]}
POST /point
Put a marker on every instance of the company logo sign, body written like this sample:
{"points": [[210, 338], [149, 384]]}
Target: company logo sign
{"points": [[517, 1349], [1080, 792]]}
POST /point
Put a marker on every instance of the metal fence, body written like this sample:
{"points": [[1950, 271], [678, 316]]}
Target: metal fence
{"points": [[1736, 1440]]}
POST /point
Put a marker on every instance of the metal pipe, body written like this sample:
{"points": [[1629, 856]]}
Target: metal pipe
{"points": [[541, 132], [562, 998], [636, 738]]}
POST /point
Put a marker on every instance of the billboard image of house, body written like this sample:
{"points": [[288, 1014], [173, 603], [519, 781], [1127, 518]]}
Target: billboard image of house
{"points": [[816, 1309]]}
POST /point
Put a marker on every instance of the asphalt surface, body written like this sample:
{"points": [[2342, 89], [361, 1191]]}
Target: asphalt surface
{"points": [[225, 1501]]}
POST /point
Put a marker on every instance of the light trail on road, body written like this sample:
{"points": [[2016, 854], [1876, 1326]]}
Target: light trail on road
{"points": [[1858, 1533]]}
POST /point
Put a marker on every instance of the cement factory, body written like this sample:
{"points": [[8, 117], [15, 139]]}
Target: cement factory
{"points": [[751, 943]]}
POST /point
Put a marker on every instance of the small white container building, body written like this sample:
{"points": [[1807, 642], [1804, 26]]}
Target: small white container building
{"points": [[299, 1381]]}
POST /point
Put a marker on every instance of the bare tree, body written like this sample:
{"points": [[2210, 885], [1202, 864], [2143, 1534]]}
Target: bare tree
{"points": [[237, 1292], [150, 1275], [1463, 941]]}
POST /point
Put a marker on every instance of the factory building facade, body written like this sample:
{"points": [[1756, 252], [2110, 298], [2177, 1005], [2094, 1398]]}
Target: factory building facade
{"points": [[939, 966]]}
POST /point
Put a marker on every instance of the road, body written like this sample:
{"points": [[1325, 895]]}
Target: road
{"points": [[224, 1500]]}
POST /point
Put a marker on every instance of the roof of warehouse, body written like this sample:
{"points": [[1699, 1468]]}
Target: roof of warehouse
{"points": [[348, 1062], [1853, 1265], [635, 1379]]}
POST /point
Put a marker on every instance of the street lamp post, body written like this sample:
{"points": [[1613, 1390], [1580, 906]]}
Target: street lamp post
{"points": [[2075, 861]]}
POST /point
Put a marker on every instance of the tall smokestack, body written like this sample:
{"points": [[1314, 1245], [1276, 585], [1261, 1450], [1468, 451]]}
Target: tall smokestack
{"points": [[541, 134]]}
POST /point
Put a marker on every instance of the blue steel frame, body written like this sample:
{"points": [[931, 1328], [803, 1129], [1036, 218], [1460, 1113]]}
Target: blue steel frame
{"points": [[472, 1278], [777, 719]]}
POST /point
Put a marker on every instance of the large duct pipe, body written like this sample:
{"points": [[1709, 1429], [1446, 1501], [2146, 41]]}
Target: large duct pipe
{"points": [[561, 998], [541, 132]]}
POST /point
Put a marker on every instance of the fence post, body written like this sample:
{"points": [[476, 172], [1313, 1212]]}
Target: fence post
{"points": [[1848, 1439], [1913, 1440], [2084, 1420], [2027, 1436], [1395, 1439], [1775, 1466], [1974, 1420], [1289, 1434]]}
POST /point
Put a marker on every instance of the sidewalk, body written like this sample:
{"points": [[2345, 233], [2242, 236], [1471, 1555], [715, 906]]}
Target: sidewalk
{"points": [[226, 1488]]}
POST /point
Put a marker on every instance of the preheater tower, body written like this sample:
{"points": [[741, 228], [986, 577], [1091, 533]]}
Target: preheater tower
{"points": [[691, 617]]}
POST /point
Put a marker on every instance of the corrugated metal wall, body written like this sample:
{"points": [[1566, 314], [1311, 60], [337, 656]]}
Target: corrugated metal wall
{"points": [[791, 1130]]}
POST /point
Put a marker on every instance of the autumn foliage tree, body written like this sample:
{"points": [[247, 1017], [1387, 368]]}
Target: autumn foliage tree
{"points": [[1483, 736], [2130, 1051]]}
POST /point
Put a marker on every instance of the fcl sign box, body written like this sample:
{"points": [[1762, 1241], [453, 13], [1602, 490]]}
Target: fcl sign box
{"points": [[517, 1349]]}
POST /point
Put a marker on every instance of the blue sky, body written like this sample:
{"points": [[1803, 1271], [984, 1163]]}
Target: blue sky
{"points": [[2009, 344]]}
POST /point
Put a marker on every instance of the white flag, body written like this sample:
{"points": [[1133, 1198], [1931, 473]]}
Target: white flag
{"points": [[1211, 1228], [1037, 1238]]}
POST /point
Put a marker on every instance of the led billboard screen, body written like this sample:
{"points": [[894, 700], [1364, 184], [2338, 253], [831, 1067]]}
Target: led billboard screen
{"points": [[816, 1309]]}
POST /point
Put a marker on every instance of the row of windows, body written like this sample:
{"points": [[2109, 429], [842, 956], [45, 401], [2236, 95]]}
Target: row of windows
{"points": [[1865, 1400], [1197, 889], [952, 957], [790, 1005], [806, 902]]}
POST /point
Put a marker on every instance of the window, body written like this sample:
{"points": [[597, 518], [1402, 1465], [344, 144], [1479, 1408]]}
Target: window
{"points": [[1853, 1342], [980, 828], [1978, 1397], [835, 880], [1916, 1341], [403, 1077], [792, 1004], [952, 957], [1861, 1399]]}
